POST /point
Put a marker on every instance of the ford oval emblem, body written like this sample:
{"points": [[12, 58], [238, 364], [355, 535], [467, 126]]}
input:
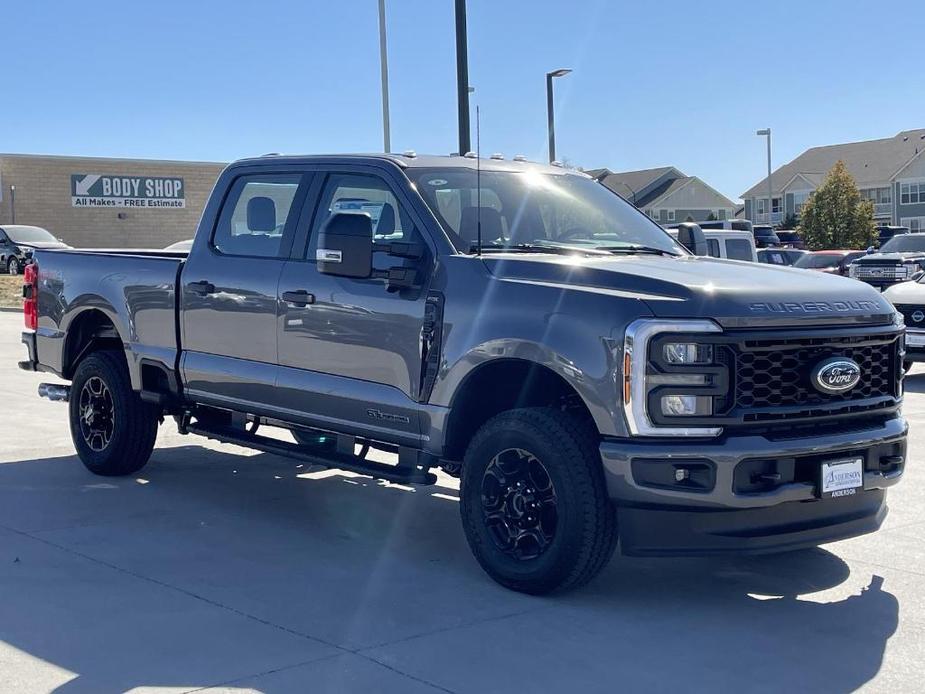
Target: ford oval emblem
{"points": [[836, 375]]}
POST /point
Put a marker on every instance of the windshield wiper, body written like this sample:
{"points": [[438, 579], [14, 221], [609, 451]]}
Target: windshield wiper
{"points": [[637, 248], [537, 248]]}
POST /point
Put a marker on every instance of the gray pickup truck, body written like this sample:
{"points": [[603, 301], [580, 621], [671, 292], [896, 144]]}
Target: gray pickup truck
{"points": [[517, 325]]}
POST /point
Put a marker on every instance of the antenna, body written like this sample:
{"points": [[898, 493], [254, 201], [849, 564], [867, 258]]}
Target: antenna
{"points": [[478, 181]]}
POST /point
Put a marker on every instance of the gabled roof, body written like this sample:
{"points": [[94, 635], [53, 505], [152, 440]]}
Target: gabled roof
{"points": [[663, 192], [870, 162], [628, 183]]}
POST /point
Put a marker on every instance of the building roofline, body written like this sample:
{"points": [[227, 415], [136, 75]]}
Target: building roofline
{"points": [[134, 160]]}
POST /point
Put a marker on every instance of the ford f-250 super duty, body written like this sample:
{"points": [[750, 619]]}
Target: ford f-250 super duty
{"points": [[518, 326]]}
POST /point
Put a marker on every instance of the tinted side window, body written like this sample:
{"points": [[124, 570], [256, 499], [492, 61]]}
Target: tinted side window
{"points": [[255, 215], [738, 249], [713, 248], [363, 193]]}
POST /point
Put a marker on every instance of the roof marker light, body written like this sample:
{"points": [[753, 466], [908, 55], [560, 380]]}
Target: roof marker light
{"points": [[469, 155], [497, 155], [519, 157], [410, 153]]}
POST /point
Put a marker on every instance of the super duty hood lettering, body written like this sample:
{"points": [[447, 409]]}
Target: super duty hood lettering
{"points": [[801, 307]]}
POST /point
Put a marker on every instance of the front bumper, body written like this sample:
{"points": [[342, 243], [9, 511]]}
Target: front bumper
{"points": [[658, 517]]}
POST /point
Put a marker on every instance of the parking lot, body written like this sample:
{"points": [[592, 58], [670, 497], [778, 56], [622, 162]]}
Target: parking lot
{"points": [[219, 567]]}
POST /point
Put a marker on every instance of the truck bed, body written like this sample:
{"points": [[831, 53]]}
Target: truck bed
{"points": [[135, 289]]}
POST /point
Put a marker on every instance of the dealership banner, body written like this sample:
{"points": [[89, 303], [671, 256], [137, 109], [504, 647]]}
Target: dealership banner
{"points": [[99, 190]]}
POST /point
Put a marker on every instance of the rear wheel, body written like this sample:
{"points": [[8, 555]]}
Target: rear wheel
{"points": [[534, 504], [12, 266], [112, 429]]}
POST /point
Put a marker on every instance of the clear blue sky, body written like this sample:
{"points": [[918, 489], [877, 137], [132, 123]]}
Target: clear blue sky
{"points": [[683, 83]]}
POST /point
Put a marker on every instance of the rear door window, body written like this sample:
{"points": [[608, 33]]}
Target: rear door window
{"points": [[255, 215], [713, 248]]}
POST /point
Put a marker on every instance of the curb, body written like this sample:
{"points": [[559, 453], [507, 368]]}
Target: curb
{"points": [[10, 309]]}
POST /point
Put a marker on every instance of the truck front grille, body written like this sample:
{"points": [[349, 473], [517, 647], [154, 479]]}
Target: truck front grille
{"points": [[914, 315], [868, 271], [773, 377]]}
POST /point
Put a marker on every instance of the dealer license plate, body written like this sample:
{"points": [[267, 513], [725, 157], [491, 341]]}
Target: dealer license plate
{"points": [[841, 477], [915, 339]]}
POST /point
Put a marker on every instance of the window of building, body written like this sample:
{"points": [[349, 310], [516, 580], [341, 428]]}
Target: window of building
{"points": [[914, 223], [799, 199], [762, 205], [911, 193], [255, 214], [670, 215], [775, 205]]}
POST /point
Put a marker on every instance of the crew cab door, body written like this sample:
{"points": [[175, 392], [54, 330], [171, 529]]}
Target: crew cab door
{"points": [[228, 290], [350, 349]]}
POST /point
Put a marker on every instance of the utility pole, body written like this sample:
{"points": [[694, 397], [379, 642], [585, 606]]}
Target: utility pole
{"points": [[384, 69], [550, 111], [767, 132], [462, 78]]}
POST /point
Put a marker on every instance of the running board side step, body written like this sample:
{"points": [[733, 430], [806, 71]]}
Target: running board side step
{"points": [[413, 471]]}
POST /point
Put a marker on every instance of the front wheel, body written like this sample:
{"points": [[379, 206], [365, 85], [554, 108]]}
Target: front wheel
{"points": [[112, 428], [12, 266], [533, 501]]}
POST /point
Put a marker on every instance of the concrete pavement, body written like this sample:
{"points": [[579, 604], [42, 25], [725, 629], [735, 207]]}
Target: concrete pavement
{"points": [[223, 568]]}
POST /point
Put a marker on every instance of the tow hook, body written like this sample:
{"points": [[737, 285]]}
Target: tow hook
{"points": [[56, 392]]}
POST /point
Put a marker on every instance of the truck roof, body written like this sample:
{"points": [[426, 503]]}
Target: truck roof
{"points": [[411, 161]]}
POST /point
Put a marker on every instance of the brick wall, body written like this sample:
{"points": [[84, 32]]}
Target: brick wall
{"points": [[43, 198]]}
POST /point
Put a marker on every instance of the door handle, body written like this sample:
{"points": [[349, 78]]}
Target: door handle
{"points": [[299, 297], [202, 287]]}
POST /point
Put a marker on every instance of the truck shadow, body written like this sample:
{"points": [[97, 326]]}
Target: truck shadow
{"points": [[97, 574]]}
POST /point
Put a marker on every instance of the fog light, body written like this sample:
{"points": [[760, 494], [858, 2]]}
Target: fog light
{"points": [[688, 353], [686, 405]]}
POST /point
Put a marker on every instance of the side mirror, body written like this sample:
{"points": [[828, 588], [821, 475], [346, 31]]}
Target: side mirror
{"points": [[691, 236], [870, 249], [345, 246]]}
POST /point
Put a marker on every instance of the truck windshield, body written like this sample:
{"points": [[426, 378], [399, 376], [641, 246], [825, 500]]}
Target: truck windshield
{"points": [[904, 244], [531, 209], [20, 233]]}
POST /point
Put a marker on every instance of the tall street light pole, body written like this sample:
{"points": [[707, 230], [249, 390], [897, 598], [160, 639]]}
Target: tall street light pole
{"points": [[462, 78], [384, 69], [767, 132], [13, 204], [550, 116]]}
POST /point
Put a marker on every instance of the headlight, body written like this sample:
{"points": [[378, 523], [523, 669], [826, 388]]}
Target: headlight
{"points": [[666, 380], [853, 270], [688, 353]]}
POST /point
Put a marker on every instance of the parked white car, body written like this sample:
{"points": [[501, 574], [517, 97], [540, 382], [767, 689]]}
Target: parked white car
{"points": [[909, 299], [727, 243]]}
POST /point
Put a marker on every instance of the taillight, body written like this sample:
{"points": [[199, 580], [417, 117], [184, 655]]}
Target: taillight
{"points": [[30, 296]]}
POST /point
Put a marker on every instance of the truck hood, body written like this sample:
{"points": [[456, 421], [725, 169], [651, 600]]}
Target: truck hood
{"points": [[734, 293], [887, 258], [44, 245], [905, 293]]}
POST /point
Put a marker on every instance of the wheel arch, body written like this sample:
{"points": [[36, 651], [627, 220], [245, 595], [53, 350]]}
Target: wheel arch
{"points": [[504, 384], [89, 330]]}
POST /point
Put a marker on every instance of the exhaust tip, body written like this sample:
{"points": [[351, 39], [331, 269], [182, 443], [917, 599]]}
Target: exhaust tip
{"points": [[56, 392]]}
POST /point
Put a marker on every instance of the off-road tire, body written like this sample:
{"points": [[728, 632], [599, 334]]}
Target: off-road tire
{"points": [[586, 530], [134, 422]]}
